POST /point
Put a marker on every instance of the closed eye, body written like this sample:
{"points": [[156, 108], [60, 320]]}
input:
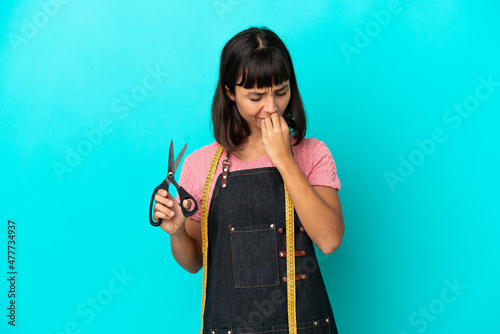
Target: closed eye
{"points": [[279, 94]]}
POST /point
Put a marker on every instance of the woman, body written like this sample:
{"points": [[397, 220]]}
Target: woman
{"points": [[260, 124]]}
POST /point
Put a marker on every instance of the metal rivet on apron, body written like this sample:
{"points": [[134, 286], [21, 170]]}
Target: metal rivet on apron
{"points": [[228, 332], [280, 230], [303, 252], [232, 228], [271, 226], [327, 319], [282, 254], [315, 323], [302, 229], [225, 170], [213, 332], [303, 276]]}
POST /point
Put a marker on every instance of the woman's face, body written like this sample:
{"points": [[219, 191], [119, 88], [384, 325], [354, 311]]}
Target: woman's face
{"points": [[255, 104]]}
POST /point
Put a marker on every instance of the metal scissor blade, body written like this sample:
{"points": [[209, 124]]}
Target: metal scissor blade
{"points": [[171, 157], [179, 157], [173, 165]]}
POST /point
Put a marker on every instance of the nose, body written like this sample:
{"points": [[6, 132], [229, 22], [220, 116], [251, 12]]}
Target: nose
{"points": [[270, 105]]}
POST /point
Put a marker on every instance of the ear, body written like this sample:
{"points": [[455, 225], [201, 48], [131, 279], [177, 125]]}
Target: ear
{"points": [[228, 93]]}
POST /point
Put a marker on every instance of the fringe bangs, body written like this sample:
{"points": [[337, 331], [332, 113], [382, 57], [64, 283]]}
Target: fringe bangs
{"points": [[264, 67]]}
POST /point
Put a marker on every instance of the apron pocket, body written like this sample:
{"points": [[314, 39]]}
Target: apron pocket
{"points": [[255, 255]]}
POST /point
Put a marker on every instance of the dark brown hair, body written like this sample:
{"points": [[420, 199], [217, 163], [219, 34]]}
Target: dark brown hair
{"points": [[260, 57]]}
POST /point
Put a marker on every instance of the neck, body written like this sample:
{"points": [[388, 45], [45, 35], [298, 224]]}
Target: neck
{"points": [[251, 149]]}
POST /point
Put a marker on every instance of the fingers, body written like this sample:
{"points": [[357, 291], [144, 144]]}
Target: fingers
{"points": [[283, 124], [159, 215], [280, 125], [164, 207], [162, 196], [275, 123], [276, 119], [163, 212], [268, 126]]}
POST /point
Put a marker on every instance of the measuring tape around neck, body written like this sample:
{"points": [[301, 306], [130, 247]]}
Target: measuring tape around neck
{"points": [[290, 247]]}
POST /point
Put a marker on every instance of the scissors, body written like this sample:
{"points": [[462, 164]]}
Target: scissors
{"points": [[183, 194]]}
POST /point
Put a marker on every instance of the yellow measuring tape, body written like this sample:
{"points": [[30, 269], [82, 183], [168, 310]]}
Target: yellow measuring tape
{"points": [[204, 227], [290, 265], [290, 247]]}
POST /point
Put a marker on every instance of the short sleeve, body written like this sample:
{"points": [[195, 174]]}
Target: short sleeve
{"points": [[323, 171], [189, 181]]}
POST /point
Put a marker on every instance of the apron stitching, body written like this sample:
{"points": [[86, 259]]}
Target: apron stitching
{"points": [[277, 261], [232, 258], [281, 330], [234, 274], [320, 325], [249, 231], [255, 286], [254, 173]]}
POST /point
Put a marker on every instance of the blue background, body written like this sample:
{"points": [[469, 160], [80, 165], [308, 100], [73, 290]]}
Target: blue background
{"points": [[66, 71]]}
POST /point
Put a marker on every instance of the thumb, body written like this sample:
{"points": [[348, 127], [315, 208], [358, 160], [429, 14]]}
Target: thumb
{"points": [[186, 204]]}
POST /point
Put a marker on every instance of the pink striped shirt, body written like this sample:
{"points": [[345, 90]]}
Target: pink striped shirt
{"points": [[312, 156]]}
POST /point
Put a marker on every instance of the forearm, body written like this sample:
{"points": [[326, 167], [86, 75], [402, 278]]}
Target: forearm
{"points": [[322, 223], [186, 252]]}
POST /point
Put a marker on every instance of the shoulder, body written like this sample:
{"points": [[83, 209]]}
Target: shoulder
{"points": [[199, 160], [203, 153], [316, 163], [196, 166], [310, 147], [310, 142]]}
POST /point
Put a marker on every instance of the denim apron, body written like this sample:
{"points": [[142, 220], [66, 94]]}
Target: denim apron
{"points": [[246, 280]]}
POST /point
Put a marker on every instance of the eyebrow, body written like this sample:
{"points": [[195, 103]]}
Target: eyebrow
{"points": [[257, 93]]}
